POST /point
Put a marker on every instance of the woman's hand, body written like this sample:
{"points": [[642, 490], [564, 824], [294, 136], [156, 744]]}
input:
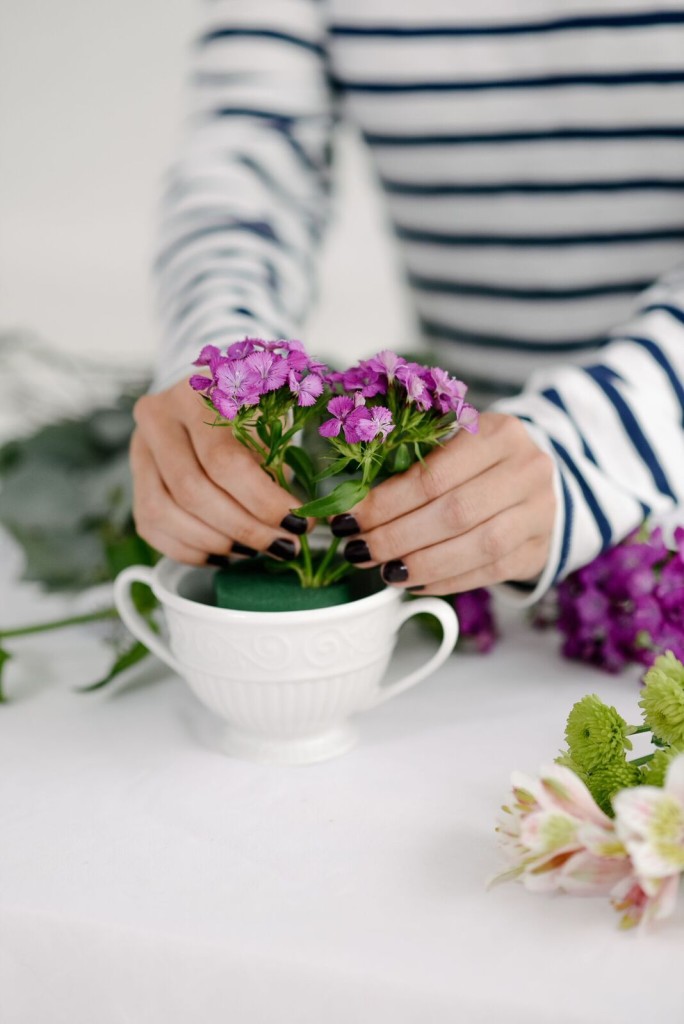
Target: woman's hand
{"points": [[198, 491], [481, 511]]}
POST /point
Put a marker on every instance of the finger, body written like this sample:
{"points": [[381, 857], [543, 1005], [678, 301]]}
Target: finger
{"points": [[489, 544], [462, 458], [191, 489], [154, 508], [518, 567], [174, 548], [451, 515], [234, 469]]}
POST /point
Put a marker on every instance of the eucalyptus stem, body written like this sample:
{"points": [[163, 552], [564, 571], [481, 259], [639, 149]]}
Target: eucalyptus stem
{"points": [[75, 620]]}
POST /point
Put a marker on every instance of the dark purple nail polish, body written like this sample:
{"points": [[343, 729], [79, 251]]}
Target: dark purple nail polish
{"points": [[283, 548], [220, 561], [242, 549], [294, 524], [418, 586], [344, 526], [357, 551], [394, 572]]}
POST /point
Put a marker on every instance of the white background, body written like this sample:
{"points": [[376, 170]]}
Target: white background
{"points": [[91, 106]]}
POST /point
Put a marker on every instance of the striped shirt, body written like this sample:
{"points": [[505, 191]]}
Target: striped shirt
{"points": [[532, 158]]}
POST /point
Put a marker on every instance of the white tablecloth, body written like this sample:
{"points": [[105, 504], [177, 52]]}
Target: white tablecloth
{"points": [[146, 877]]}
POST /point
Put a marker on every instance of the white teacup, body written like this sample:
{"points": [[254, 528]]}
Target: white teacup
{"points": [[285, 682]]}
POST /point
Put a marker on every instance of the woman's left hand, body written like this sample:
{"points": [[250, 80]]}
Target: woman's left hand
{"points": [[480, 511]]}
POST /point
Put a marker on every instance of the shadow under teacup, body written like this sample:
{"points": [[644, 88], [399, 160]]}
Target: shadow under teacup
{"points": [[285, 683]]}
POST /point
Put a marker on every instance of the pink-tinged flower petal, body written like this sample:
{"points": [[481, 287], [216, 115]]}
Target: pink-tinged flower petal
{"points": [[209, 356], [330, 428], [376, 421], [469, 418], [411, 376], [650, 822], [267, 372], [226, 405], [585, 874], [562, 789], [674, 781], [340, 406], [387, 363], [198, 382], [642, 907], [307, 390], [241, 349]]}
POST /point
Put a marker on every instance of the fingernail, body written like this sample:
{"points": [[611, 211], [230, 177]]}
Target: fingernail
{"points": [[242, 549], [394, 572], [220, 561], [283, 548], [344, 526], [418, 586], [294, 524], [357, 551]]}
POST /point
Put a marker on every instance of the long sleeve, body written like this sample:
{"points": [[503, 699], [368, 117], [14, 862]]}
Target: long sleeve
{"points": [[246, 201], [615, 427]]}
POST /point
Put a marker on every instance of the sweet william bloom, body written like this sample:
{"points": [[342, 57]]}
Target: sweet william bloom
{"points": [[234, 379], [198, 382], [448, 393], [387, 363], [411, 376], [307, 389], [365, 379], [267, 372], [242, 349], [474, 610], [209, 356], [469, 418], [339, 408], [557, 839], [372, 422]]}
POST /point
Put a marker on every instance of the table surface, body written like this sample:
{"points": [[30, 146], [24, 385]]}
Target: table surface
{"points": [[146, 877]]}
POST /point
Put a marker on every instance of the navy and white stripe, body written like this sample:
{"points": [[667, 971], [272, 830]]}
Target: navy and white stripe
{"points": [[532, 157]]}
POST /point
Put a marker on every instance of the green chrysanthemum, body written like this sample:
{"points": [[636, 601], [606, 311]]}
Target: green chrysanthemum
{"points": [[567, 762], [662, 699], [609, 779], [596, 734], [653, 773]]}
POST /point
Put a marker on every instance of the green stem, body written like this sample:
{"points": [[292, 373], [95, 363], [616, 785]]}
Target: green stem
{"points": [[638, 761], [338, 573], [76, 620], [306, 559], [320, 579], [632, 730]]}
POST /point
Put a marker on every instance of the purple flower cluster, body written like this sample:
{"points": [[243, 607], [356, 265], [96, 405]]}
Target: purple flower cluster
{"points": [[253, 368], [627, 605], [476, 619], [356, 420], [428, 388]]}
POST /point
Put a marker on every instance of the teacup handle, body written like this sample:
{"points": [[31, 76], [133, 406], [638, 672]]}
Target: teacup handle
{"points": [[132, 617], [449, 622]]}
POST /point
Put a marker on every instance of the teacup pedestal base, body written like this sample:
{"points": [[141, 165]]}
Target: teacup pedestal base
{"points": [[299, 750]]}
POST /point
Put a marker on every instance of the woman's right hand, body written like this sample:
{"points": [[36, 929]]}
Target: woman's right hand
{"points": [[197, 491]]}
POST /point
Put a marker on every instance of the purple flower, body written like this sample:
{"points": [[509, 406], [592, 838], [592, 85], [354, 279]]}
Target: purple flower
{"points": [[411, 375], [476, 619], [267, 372], [234, 379], [469, 418], [340, 408], [387, 363], [209, 356], [448, 393], [307, 390], [225, 404], [371, 422], [198, 382], [363, 378], [241, 349]]}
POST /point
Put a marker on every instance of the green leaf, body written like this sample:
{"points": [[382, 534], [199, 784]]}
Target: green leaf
{"points": [[4, 658], [344, 497], [263, 432], [401, 459], [134, 654], [338, 466], [300, 461]]}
